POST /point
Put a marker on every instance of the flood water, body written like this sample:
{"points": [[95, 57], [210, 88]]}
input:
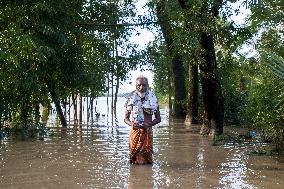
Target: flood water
{"points": [[97, 157]]}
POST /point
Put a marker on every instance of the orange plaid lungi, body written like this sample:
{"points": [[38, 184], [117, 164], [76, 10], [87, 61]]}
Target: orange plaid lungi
{"points": [[141, 146]]}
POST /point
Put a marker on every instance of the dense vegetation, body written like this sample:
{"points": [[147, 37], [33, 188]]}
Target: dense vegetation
{"points": [[251, 82], [51, 51]]}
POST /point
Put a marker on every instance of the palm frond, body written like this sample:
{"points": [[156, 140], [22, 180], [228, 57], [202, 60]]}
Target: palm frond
{"points": [[275, 63]]}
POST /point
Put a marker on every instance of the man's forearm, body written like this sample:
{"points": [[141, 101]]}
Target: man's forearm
{"points": [[156, 121], [128, 122]]}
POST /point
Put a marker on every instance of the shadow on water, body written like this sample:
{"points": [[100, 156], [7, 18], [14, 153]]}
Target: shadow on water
{"points": [[98, 157]]}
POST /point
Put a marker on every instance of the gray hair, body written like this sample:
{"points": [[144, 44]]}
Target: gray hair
{"points": [[142, 77]]}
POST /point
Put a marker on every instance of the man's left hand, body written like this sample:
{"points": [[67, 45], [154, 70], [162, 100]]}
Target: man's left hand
{"points": [[147, 125]]}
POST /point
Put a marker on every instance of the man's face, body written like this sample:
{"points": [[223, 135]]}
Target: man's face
{"points": [[141, 85]]}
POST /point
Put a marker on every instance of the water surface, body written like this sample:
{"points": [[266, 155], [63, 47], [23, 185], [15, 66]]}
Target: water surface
{"points": [[97, 157]]}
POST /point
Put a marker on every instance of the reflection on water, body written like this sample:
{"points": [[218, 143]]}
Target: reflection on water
{"points": [[97, 157]]}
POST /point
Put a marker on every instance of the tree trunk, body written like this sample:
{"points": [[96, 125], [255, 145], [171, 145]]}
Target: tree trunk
{"points": [[117, 70], [107, 103], [112, 93], [193, 92], [92, 111], [37, 113], [176, 62], [170, 95], [80, 110], [24, 115], [88, 110], [75, 117], [65, 107], [69, 110], [179, 87], [211, 88], [56, 101], [212, 95], [115, 95]]}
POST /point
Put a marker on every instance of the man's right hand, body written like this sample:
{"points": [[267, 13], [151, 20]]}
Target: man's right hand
{"points": [[136, 125]]}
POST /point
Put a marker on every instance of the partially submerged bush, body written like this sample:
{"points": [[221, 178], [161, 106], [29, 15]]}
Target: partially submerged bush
{"points": [[264, 107]]}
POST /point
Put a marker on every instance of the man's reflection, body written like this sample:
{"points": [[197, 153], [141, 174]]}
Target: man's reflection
{"points": [[140, 176]]}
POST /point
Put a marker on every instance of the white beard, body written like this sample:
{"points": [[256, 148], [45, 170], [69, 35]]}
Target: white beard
{"points": [[141, 95]]}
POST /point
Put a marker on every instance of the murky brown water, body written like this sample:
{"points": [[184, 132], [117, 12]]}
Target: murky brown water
{"points": [[97, 157]]}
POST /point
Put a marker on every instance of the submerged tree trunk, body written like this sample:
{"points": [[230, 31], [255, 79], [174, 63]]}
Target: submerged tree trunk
{"points": [[176, 62], [212, 95], [116, 71], [69, 110], [92, 111], [91, 106], [56, 101], [107, 103], [179, 87], [170, 94], [88, 110], [24, 115], [192, 112], [37, 113], [211, 88], [75, 114], [65, 107], [80, 109], [115, 95], [112, 92]]}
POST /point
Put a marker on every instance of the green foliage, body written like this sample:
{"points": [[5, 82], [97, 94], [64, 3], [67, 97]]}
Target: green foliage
{"points": [[73, 45], [35, 48], [275, 63], [266, 13], [252, 86], [45, 114], [265, 96], [265, 104], [50, 46], [161, 68], [233, 88]]}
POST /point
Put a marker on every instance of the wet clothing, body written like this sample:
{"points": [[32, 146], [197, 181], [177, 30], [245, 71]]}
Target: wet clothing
{"points": [[141, 139], [141, 146], [138, 106]]}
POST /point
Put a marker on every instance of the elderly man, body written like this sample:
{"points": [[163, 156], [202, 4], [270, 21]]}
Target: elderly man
{"points": [[140, 107]]}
